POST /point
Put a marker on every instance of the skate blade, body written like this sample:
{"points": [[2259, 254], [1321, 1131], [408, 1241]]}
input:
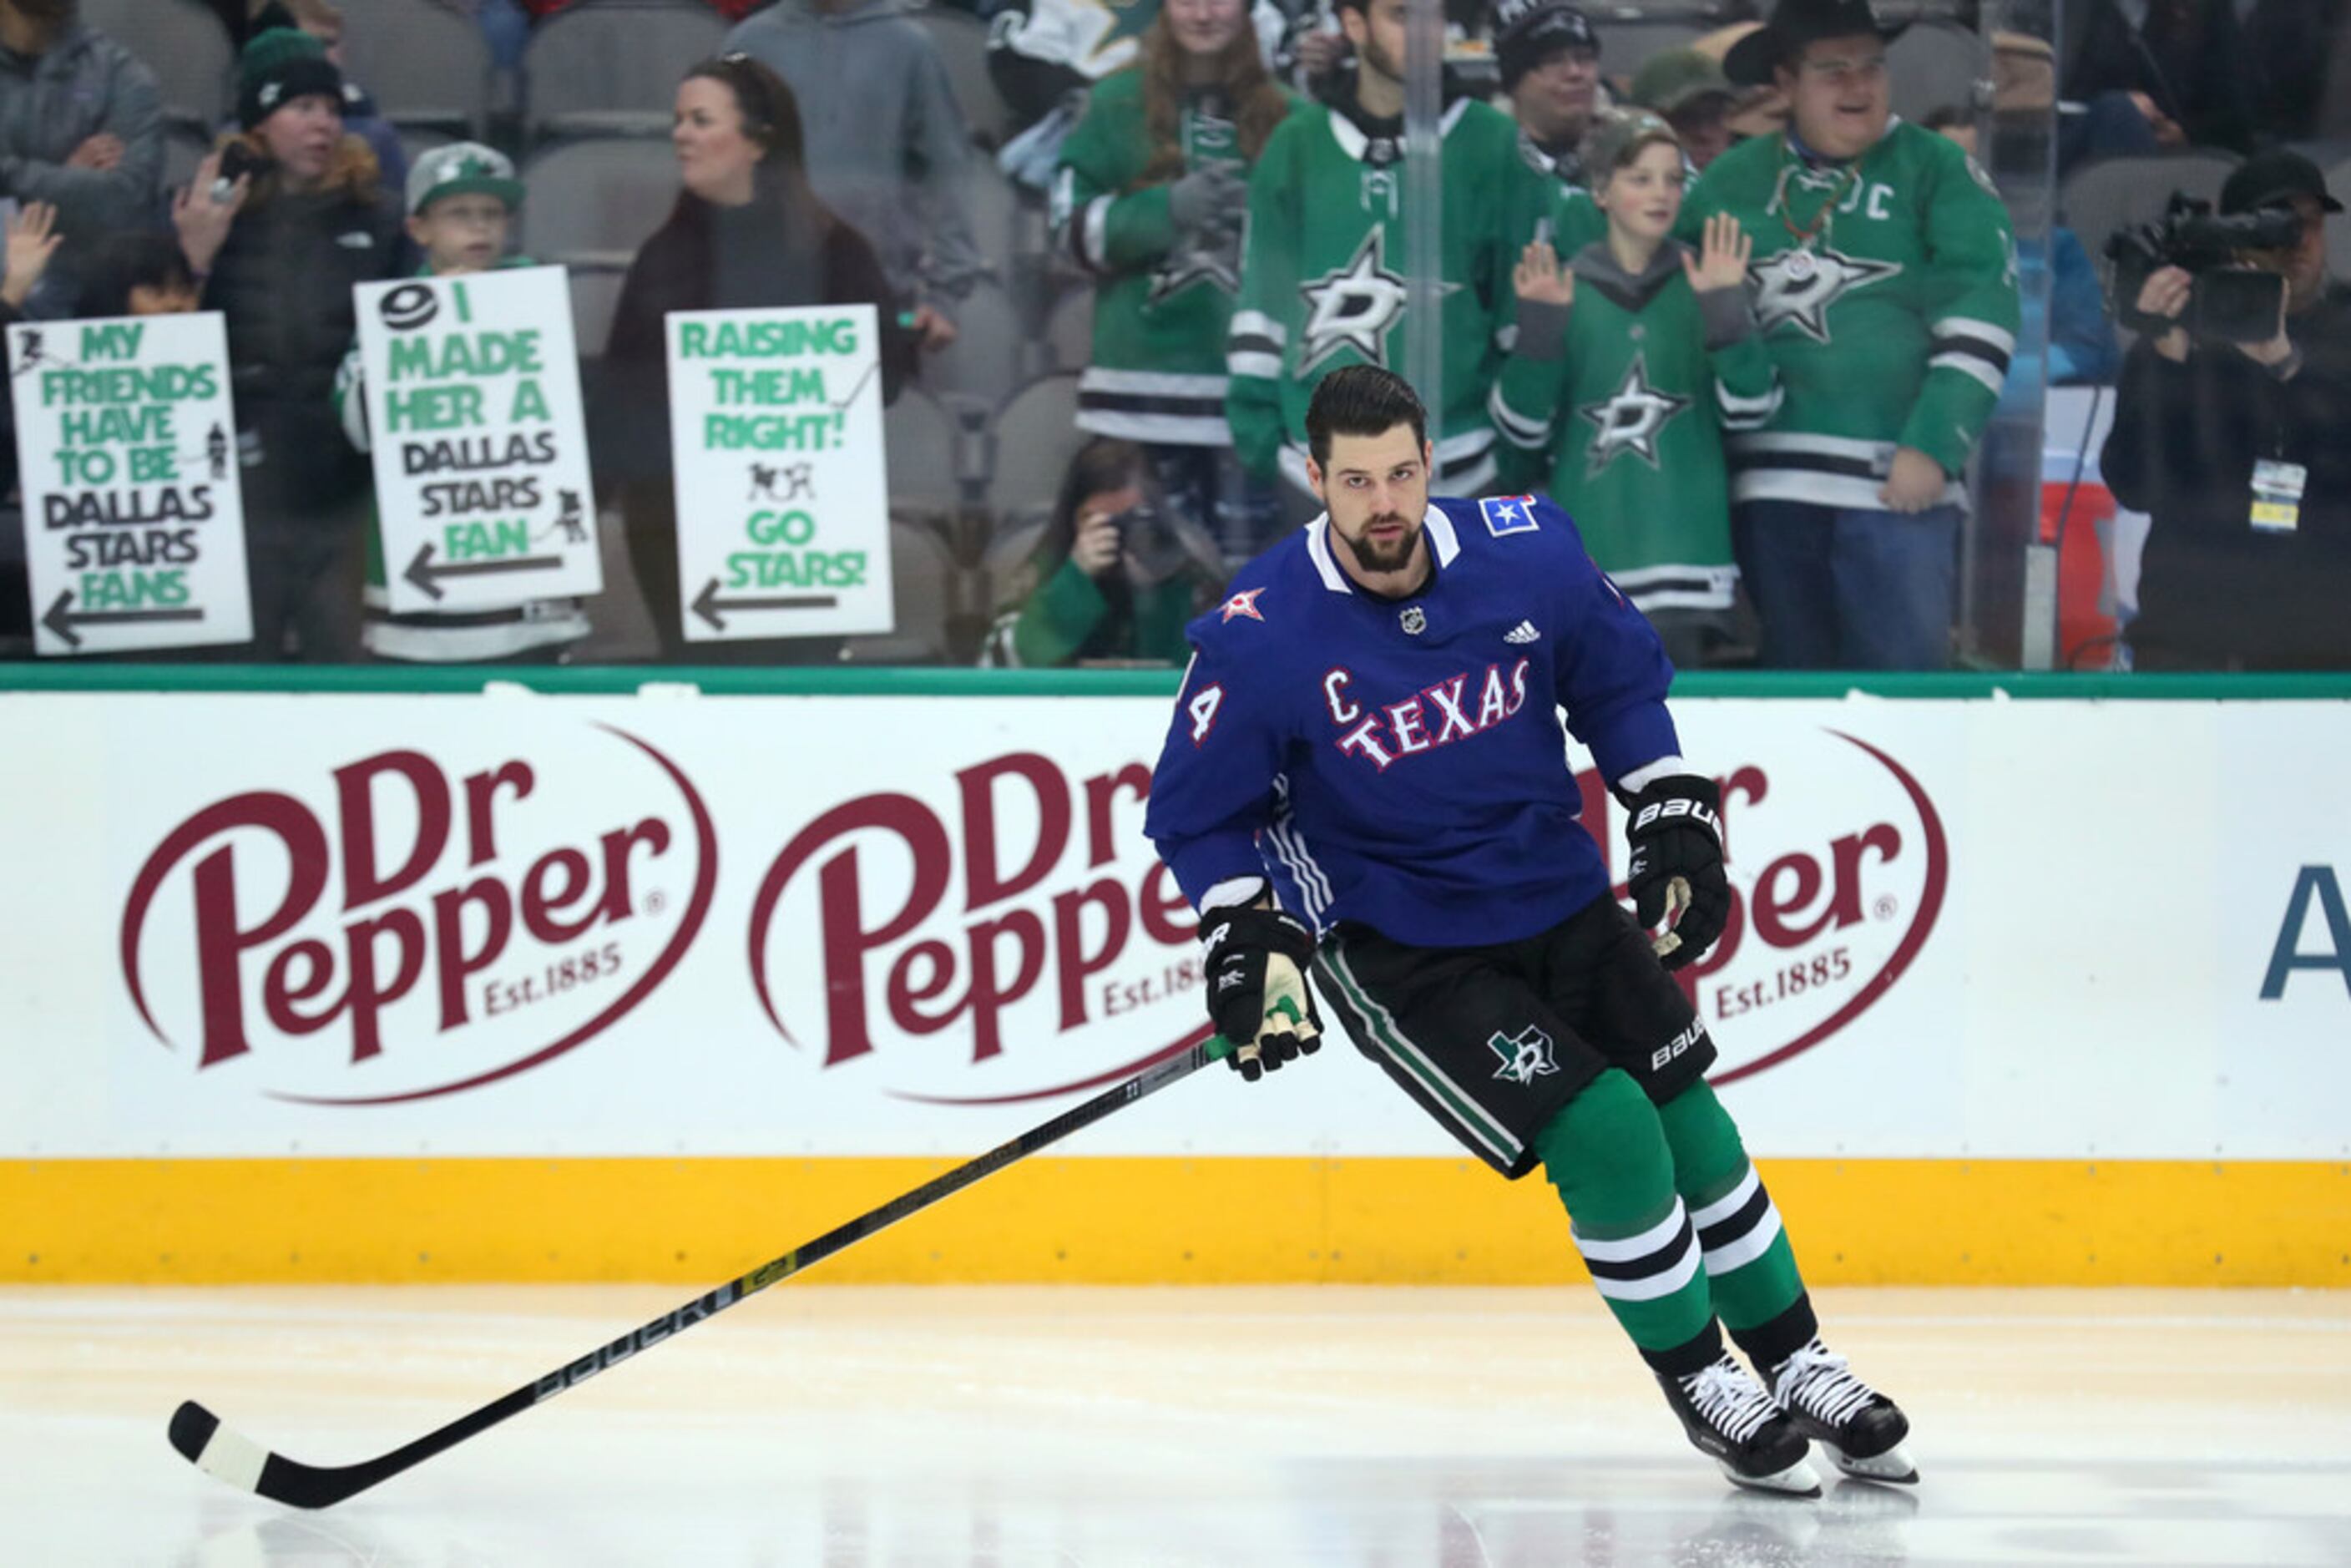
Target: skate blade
{"points": [[1892, 1467], [1798, 1479]]}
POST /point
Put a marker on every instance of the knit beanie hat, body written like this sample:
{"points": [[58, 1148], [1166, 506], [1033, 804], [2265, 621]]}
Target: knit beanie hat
{"points": [[278, 66], [1526, 33]]}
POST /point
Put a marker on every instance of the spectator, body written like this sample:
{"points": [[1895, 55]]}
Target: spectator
{"points": [[1047, 55], [1648, 349], [2178, 65], [322, 20], [139, 273], [462, 199], [2081, 347], [1759, 108], [1152, 189], [1695, 98], [1549, 57], [1885, 281], [279, 247], [2287, 44], [748, 230], [2236, 450], [887, 148], [1322, 279], [1114, 581], [32, 241], [81, 126]]}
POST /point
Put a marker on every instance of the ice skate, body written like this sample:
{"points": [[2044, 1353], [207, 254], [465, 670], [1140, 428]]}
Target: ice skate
{"points": [[1861, 1428], [1728, 1415]]}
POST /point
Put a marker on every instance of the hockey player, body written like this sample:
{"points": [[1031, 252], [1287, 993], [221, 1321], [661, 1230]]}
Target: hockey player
{"points": [[1884, 283], [1152, 189], [1366, 774], [1323, 280], [1629, 365]]}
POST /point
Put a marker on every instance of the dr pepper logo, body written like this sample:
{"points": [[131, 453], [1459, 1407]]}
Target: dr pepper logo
{"points": [[1838, 871], [409, 924], [963, 952]]}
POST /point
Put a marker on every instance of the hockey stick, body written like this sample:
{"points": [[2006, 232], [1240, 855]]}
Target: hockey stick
{"points": [[201, 1439]]}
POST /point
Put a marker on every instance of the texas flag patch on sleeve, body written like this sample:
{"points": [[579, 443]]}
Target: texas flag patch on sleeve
{"points": [[1508, 514]]}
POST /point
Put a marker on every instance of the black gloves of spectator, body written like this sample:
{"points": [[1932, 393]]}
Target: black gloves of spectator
{"points": [[1675, 832], [1257, 991], [1213, 195]]}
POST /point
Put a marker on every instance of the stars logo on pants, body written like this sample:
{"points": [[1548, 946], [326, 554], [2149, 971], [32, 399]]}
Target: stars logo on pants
{"points": [[1526, 1056], [1630, 419], [1798, 287]]}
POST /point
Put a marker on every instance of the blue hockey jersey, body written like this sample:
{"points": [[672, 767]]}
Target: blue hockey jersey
{"points": [[1400, 762]]}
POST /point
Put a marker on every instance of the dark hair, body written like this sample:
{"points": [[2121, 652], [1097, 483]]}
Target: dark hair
{"points": [[1101, 465], [120, 263], [1363, 400], [771, 117], [1950, 117]]}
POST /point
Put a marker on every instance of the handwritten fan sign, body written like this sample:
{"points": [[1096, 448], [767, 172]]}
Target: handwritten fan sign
{"points": [[134, 516], [480, 447], [783, 504]]}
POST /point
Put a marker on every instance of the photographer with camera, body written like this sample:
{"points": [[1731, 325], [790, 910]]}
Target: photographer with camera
{"points": [[1115, 578], [2228, 428]]}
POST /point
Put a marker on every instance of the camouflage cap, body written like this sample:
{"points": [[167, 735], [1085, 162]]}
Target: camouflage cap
{"points": [[1616, 138], [1672, 79]]}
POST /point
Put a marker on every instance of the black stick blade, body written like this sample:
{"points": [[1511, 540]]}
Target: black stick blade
{"points": [[224, 1453]]}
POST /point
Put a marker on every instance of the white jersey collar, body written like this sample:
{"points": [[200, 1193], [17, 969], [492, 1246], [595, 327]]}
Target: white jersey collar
{"points": [[1441, 538]]}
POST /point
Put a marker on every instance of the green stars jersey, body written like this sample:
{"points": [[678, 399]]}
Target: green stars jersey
{"points": [[1887, 292], [1322, 282], [1626, 401], [1162, 299]]}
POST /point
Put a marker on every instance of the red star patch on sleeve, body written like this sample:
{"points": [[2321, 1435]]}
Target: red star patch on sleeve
{"points": [[1243, 603]]}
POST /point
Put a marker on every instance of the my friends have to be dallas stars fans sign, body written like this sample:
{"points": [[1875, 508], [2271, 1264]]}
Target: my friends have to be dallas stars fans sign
{"points": [[472, 390], [782, 501], [134, 517]]}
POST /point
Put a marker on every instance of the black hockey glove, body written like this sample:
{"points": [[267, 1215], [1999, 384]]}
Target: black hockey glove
{"points": [[1675, 830], [1257, 988]]}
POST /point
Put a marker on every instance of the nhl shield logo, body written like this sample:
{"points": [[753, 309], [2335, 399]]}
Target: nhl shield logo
{"points": [[1413, 622], [1525, 1056]]}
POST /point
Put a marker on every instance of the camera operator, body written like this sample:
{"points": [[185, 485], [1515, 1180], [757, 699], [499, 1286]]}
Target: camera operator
{"points": [[2233, 439]]}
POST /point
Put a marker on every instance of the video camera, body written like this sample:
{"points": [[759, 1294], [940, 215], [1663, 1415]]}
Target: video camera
{"points": [[2230, 302]]}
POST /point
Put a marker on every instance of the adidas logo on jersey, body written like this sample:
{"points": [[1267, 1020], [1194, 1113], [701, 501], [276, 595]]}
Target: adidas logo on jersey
{"points": [[1524, 632]]}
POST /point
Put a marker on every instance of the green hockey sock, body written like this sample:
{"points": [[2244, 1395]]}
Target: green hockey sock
{"points": [[1748, 1263], [1607, 1156]]}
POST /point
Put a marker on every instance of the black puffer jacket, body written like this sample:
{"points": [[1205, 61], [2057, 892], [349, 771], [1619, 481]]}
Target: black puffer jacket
{"points": [[284, 283]]}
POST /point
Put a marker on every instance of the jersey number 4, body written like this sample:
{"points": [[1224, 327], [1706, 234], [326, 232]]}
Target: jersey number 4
{"points": [[1203, 709]]}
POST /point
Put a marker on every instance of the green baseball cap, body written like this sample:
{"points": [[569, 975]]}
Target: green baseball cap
{"points": [[1672, 79], [462, 168]]}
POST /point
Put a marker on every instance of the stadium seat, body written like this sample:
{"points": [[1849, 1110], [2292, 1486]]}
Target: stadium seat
{"points": [[595, 291], [1069, 330], [928, 597], [1933, 65], [183, 44], [612, 66], [984, 362], [183, 149], [962, 40], [920, 438], [2097, 201], [416, 141], [994, 208], [1627, 41], [1035, 435], [425, 63], [596, 198]]}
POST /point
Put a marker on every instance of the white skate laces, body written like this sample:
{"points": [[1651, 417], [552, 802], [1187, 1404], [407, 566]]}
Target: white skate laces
{"points": [[1816, 1381], [1728, 1400]]}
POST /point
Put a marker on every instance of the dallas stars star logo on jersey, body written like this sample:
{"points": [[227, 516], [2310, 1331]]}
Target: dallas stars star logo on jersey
{"points": [[1217, 263], [1630, 419], [1798, 287], [1355, 306], [1526, 1056]]}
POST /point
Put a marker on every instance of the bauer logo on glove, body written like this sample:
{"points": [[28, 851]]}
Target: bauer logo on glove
{"points": [[1257, 997], [1675, 877]]}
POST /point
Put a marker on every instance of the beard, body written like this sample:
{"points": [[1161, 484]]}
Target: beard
{"points": [[1379, 59], [1373, 555]]}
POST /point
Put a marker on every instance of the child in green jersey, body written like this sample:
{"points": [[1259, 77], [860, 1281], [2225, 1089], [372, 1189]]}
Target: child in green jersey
{"points": [[1631, 362]]}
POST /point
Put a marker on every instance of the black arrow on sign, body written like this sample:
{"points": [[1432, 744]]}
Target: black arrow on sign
{"points": [[62, 622], [424, 574], [707, 604]]}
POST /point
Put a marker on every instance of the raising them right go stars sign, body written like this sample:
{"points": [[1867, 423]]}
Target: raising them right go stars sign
{"points": [[783, 504]]}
